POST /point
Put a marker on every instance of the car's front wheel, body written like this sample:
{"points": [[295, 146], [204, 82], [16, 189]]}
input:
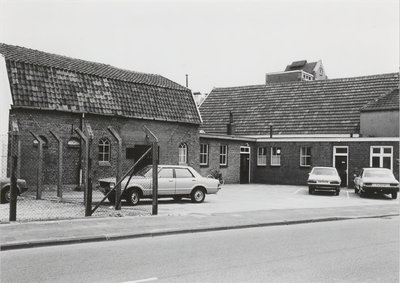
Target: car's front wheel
{"points": [[394, 195], [337, 192], [133, 197], [310, 191], [198, 195], [5, 195]]}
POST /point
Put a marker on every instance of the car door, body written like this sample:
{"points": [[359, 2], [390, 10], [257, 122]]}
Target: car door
{"points": [[185, 181], [166, 181]]}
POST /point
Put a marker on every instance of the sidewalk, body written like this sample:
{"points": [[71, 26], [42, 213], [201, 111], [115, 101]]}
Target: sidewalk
{"points": [[50, 233]]}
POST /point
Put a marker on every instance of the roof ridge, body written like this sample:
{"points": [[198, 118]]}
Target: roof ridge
{"points": [[311, 82], [77, 65]]}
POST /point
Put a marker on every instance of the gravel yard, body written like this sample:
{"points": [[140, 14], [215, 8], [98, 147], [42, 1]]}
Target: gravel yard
{"points": [[71, 206]]}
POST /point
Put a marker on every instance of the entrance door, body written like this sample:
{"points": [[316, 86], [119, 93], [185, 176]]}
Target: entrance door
{"points": [[341, 156], [244, 165]]}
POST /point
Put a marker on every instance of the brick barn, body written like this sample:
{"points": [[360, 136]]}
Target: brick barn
{"points": [[59, 94], [274, 133]]}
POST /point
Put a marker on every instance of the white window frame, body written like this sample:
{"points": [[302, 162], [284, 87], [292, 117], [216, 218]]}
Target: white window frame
{"points": [[182, 155], [262, 156], [276, 158], [381, 155], [304, 156], [223, 155], [203, 154], [104, 150]]}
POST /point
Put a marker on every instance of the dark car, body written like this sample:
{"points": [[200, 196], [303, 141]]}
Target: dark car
{"points": [[377, 181], [5, 188]]}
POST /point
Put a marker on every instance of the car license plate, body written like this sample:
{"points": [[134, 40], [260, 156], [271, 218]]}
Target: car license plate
{"points": [[322, 182], [381, 185]]}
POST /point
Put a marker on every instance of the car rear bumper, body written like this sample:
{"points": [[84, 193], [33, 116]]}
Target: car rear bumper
{"points": [[324, 187], [380, 190]]}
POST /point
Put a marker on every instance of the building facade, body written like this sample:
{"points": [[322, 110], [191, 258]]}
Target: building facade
{"points": [[275, 133], [56, 98]]}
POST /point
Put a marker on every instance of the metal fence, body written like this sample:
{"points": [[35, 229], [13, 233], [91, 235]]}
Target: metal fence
{"points": [[62, 174]]}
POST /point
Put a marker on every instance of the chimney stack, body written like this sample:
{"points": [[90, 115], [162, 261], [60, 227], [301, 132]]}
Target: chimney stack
{"points": [[230, 127]]}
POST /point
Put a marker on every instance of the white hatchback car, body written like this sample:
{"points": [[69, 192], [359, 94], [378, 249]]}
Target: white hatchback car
{"points": [[324, 179], [173, 181]]}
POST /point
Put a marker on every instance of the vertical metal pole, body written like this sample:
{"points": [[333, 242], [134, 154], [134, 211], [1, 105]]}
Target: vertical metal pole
{"points": [[40, 167], [118, 165], [86, 167], [13, 189], [60, 165], [155, 179], [88, 204]]}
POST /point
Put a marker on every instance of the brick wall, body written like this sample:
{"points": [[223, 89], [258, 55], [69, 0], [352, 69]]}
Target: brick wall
{"points": [[63, 124]]}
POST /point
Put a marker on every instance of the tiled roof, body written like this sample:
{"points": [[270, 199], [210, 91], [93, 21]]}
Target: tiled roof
{"points": [[44, 80], [307, 107], [389, 101]]}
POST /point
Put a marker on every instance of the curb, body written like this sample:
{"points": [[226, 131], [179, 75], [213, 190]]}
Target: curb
{"points": [[102, 238]]}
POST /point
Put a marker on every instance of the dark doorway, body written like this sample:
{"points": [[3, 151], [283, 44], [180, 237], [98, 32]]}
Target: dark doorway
{"points": [[136, 152], [341, 167], [244, 168]]}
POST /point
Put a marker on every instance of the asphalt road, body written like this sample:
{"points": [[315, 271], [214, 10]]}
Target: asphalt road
{"points": [[362, 250]]}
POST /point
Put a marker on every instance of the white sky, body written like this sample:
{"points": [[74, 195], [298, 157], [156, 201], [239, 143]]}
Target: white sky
{"points": [[217, 43]]}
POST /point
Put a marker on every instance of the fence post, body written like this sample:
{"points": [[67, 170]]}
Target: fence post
{"points": [[40, 166], [85, 169], [60, 165], [118, 175], [155, 167], [13, 189]]}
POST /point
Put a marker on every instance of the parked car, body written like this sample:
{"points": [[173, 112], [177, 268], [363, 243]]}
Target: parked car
{"points": [[173, 181], [5, 188], [324, 179], [376, 180]]}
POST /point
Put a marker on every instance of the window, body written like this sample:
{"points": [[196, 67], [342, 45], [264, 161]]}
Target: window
{"points": [[44, 140], [182, 159], [305, 156], [275, 156], [104, 150], [74, 142], [166, 173], [183, 173], [262, 156], [381, 156], [203, 154], [223, 155]]}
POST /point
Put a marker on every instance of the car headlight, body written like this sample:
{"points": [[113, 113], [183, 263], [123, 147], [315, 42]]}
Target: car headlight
{"points": [[312, 181]]}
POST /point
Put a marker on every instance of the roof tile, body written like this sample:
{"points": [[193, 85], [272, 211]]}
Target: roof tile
{"points": [[45, 80], [308, 107]]}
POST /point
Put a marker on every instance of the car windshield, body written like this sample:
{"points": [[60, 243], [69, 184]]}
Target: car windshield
{"points": [[378, 174], [324, 171], [145, 171]]}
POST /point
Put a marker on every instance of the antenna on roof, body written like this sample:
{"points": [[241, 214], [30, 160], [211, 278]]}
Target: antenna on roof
{"points": [[187, 80]]}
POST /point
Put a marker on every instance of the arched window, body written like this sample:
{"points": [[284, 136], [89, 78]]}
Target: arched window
{"points": [[182, 153], [74, 142], [104, 150], [44, 139]]}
